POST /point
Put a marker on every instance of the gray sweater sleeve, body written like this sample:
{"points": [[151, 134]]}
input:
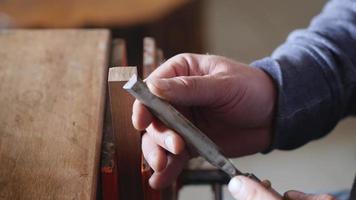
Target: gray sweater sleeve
{"points": [[315, 73]]}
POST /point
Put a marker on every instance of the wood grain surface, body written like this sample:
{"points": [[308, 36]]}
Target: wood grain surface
{"points": [[127, 139], [109, 165], [51, 99]]}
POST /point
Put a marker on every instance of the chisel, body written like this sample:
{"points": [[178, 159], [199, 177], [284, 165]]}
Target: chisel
{"points": [[186, 129]]}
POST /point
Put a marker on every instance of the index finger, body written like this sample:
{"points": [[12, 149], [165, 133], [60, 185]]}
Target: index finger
{"points": [[182, 65], [179, 65]]}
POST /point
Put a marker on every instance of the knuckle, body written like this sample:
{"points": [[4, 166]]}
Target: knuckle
{"points": [[182, 59], [182, 55], [187, 63], [188, 84]]}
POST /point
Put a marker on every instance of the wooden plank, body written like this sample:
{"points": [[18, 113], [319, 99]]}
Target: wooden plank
{"points": [[109, 171], [128, 140], [51, 98]]}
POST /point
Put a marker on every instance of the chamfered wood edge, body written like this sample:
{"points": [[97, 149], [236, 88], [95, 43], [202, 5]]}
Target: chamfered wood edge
{"points": [[121, 73]]}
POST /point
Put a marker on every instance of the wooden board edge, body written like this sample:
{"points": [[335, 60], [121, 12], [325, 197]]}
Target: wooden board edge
{"points": [[117, 74]]}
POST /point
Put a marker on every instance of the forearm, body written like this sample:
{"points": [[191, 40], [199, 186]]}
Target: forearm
{"points": [[315, 73]]}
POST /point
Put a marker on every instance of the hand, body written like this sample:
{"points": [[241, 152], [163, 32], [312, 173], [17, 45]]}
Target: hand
{"points": [[229, 101], [244, 188]]}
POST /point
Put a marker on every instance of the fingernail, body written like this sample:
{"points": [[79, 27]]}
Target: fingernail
{"points": [[235, 185], [169, 144]]}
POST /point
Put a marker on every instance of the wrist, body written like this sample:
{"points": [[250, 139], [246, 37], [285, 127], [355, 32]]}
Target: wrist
{"points": [[270, 85]]}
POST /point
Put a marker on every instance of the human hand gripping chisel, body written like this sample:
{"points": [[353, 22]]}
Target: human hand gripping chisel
{"points": [[186, 129]]}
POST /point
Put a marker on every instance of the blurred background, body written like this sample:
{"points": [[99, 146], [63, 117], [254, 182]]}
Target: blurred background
{"points": [[241, 30]]}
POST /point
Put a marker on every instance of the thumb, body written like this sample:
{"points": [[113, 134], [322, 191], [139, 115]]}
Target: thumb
{"points": [[188, 90], [242, 187]]}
